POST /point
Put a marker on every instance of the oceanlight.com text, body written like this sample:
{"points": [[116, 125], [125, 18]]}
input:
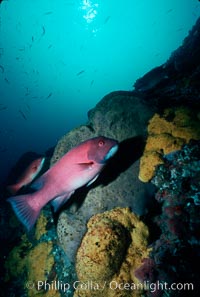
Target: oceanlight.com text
{"points": [[113, 285]]}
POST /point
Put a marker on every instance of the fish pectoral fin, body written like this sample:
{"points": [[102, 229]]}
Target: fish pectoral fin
{"points": [[86, 165], [38, 184], [60, 200], [93, 180]]}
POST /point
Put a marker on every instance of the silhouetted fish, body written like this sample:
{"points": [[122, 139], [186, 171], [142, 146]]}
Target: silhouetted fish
{"points": [[23, 115], [6, 80], [2, 69], [106, 19], [81, 72], [27, 176], [48, 12], [3, 108], [80, 166], [50, 94], [43, 31], [169, 10], [28, 107]]}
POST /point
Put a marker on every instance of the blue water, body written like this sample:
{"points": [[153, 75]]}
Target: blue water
{"points": [[59, 58]]}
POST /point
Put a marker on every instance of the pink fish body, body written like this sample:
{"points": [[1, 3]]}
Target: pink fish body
{"points": [[78, 167], [27, 176]]}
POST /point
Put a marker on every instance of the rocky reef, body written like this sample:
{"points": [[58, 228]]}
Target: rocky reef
{"points": [[122, 230], [174, 254]]}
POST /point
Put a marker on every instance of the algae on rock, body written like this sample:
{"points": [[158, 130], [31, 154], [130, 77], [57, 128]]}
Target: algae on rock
{"points": [[168, 133]]}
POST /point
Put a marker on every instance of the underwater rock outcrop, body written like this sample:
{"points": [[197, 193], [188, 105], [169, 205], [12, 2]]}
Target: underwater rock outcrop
{"points": [[124, 117], [176, 81], [174, 255], [167, 133], [119, 115], [112, 249]]}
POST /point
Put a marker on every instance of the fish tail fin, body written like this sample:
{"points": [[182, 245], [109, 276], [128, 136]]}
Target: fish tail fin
{"points": [[24, 210], [12, 189]]}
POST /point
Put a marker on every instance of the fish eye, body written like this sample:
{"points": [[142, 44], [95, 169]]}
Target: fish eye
{"points": [[101, 143]]}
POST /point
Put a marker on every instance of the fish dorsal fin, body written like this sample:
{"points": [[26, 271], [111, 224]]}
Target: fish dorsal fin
{"points": [[60, 200], [12, 189], [93, 180]]}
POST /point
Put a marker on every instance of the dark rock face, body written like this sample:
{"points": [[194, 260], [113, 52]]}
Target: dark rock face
{"points": [[177, 81], [151, 79], [121, 116]]}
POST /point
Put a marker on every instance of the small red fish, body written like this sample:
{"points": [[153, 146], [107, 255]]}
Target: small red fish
{"points": [[78, 167], [28, 175]]}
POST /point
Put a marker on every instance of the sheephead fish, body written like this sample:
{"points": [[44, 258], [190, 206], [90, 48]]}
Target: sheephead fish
{"points": [[27, 176], [78, 167]]}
